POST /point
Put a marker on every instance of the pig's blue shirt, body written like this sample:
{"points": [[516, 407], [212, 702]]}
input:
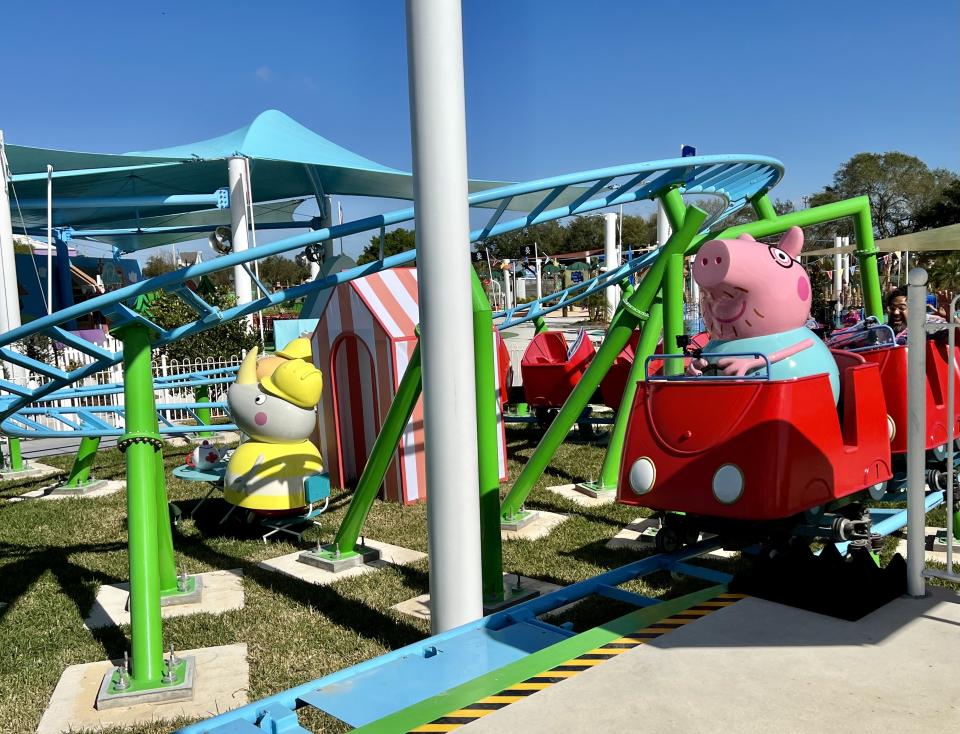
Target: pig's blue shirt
{"points": [[814, 360]]}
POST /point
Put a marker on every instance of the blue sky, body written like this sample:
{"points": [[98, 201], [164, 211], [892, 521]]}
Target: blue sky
{"points": [[552, 86]]}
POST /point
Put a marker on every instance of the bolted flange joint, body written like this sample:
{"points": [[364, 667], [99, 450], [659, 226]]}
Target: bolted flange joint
{"points": [[134, 437]]}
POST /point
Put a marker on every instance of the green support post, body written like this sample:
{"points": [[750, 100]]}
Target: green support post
{"points": [[763, 207], [141, 443], [16, 456], [201, 394], [540, 325], [405, 400], [673, 327], [83, 464], [867, 257], [609, 473], [632, 312], [166, 562], [673, 286], [491, 555]]}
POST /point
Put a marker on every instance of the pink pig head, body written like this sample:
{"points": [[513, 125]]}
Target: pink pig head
{"points": [[751, 289]]}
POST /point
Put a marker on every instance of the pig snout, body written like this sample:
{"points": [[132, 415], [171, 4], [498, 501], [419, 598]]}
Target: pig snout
{"points": [[715, 264]]}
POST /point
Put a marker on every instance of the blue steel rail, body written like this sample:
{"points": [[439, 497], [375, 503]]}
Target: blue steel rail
{"points": [[734, 178]]}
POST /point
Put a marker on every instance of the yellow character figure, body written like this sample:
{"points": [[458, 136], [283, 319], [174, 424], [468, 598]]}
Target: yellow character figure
{"points": [[267, 472]]}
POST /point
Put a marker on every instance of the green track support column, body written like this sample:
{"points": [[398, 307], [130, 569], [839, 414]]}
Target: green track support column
{"points": [[166, 562], [540, 325], [610, 472], [141, 443], [83, 464], [201, 394], [405, 400], [673, 286], [491, 556], [763, 207], [632, 312], [16, 456], [673, 313], [867, 255]]}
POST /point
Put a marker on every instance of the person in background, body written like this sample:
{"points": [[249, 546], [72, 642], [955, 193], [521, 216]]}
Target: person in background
{"points": [[897, 314]]}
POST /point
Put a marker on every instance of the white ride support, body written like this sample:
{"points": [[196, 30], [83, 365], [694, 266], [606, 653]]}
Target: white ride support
{"points": [[236, 169], [612, 258], [437, 117]]}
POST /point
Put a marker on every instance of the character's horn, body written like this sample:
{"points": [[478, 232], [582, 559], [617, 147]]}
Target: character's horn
{"points": [[247, 374]]}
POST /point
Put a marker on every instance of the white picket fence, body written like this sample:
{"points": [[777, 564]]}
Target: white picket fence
{"points": [[70, 358]]}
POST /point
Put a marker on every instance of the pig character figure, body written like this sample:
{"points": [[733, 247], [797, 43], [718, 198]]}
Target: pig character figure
{"points": [[756, 298]]}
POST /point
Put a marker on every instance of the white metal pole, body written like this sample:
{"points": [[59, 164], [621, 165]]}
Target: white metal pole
{"points": [[663, 225], [846, 262], [507, 283], [236, 169], [536, 260], [437, 121], [49, 239], [837, 279], [916, 429], [694, 295], [611, 259], [9, 299]]}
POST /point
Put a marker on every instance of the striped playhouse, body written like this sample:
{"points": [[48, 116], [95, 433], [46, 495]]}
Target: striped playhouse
{"points": [[362, 343]]}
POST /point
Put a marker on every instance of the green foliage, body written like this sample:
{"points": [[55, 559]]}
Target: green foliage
{"points": [[898, 185], [283, 270], [222, 341], [158, 264], [943, 211], [394, 242], [21, 247]]}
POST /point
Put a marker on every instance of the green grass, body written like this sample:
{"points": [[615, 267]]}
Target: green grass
{"points": [[55, 555]]}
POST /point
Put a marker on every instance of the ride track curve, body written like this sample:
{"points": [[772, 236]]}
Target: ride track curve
{"points": [[735, 179]]}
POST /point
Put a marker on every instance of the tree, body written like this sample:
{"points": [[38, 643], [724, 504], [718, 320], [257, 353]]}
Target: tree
{"points": [[224, 341], [279, 269], [943, 268], [158, 264], [394, 242], [898, 185]]}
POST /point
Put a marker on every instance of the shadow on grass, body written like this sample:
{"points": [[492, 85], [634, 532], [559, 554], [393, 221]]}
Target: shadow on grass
{"points": [[349, 613], [77, 582]]}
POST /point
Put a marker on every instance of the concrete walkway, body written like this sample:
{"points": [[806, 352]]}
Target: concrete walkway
{"points": [[763, 667]]}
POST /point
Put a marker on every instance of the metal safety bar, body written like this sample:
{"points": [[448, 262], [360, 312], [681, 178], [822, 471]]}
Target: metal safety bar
{"points": [[673, 378]]}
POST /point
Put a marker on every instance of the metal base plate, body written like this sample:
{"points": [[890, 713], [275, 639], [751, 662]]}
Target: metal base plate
{"points": [[325, 560], [592, 489], [511, 597], [940, 542], [520, 520], [163, 694], [31, 470], [84, 489], [192, 595]]}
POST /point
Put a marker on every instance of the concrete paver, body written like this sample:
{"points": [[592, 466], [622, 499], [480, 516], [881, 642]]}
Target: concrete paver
{"points": [[763, 667], [222, 592], [221, 683]]}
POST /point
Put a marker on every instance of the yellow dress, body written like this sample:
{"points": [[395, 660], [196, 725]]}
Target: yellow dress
{"points": [[270, 476]]}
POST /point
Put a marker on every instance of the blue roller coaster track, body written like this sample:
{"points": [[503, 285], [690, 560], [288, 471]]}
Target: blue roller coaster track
{"points": [[735, 179]]}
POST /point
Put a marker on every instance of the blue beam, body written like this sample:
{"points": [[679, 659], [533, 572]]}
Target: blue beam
{"points": [[189, 229], [215, 199]]}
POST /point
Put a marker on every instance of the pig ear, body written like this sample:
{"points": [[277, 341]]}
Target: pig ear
{"points": [[792, 242], [747, 237]]}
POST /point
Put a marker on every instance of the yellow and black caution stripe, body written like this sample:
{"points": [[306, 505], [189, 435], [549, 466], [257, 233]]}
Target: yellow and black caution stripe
{"points": [[571, 668]]}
